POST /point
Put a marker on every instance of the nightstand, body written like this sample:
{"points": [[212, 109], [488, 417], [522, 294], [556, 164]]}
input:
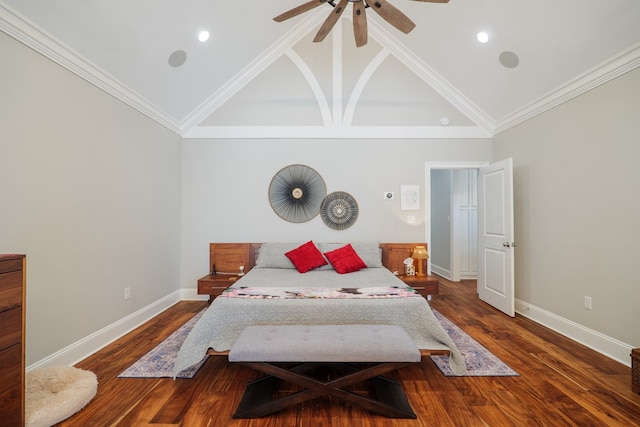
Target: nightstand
{"points": [[425, 285], [215, 284]]}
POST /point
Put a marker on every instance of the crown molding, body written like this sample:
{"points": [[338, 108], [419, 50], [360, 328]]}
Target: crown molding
{"points": [[615, 66], [28, 33]]}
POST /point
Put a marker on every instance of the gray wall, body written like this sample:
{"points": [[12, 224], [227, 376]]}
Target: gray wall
{"points": [[225, 183], [90, 193], [577, 207]]}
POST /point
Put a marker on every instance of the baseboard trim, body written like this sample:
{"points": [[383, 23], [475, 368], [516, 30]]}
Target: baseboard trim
{"points": [[441, 271], [191, 294], [610, 347], [72, 354], [87, 346]]}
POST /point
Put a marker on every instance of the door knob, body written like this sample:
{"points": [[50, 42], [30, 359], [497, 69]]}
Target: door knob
{"points": [[506, 244]]}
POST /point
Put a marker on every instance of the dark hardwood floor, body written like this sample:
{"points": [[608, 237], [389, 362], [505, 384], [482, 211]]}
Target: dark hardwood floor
{"points": [[561, 383]]}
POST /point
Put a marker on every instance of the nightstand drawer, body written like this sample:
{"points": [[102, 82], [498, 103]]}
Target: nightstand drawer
{"points": [[425, 285], [214, 291], [216, 284], [431, 288]]}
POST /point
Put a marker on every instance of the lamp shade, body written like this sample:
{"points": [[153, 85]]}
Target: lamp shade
{"points": [[420, 252]]}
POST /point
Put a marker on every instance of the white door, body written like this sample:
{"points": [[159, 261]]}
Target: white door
{"points": [[495, 236]]}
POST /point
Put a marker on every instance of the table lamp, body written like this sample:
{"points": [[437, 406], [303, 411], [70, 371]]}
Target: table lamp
{"points": [[420, 253]]}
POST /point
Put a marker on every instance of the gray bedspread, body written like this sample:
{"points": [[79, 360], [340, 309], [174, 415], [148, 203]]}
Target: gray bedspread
{"points": [[223, 321]]}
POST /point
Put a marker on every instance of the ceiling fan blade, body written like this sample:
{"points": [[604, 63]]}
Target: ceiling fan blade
{"points": [[331, 20], [359, 23], [299, 9], [392, 15]]}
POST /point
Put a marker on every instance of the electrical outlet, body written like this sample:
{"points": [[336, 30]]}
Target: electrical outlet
{"points": [[127, 293], [587, 303]]}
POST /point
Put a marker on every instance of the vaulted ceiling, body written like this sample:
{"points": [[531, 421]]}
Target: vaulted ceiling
{"points": [[539, 53]]}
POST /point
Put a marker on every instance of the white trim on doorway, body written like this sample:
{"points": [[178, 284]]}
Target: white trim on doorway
{"points": [[428, 167]]}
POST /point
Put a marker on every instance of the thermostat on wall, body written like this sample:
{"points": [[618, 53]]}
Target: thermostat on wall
{"points": [[388, 195]]}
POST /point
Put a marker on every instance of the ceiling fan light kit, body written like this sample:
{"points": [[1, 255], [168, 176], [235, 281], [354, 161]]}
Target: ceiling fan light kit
{"points": [[386, 10]]}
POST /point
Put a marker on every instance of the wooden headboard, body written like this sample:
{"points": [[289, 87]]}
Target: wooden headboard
{"points": [[227, 257], [393, 255]]}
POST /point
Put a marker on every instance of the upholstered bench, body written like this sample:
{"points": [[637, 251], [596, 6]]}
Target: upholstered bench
{"points": [[323, 360]]}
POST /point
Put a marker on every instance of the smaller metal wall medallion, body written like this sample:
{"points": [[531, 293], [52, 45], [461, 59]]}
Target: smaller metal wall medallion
{"points": [[339, 210]]}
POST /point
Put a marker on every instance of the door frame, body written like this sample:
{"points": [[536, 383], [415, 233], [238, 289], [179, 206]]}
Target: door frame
{"points": [[429, 166]]}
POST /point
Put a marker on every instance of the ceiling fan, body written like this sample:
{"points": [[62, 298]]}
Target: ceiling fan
{"points": [[385, 9]]}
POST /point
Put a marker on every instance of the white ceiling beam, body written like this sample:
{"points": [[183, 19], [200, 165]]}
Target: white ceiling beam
{"points": [[339, 132]]}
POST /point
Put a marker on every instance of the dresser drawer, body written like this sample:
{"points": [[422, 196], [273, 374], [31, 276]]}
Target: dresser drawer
{"points": [[12, 363], [10, 290], [10, 367], [10, 327], [11, 265], [11, 407]]}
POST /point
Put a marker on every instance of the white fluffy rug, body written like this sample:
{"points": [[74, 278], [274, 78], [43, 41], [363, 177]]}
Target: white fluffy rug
{"points": [[55, 393]]}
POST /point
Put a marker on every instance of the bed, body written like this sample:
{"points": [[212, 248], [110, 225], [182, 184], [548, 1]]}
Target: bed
{"points": [[276, 292]]}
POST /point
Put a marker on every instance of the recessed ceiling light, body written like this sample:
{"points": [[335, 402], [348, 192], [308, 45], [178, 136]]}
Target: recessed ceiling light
{"points": [[482, 37], [203, 36]]}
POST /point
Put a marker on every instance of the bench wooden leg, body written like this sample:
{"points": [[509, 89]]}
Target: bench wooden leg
{"points": [[390, 399]]}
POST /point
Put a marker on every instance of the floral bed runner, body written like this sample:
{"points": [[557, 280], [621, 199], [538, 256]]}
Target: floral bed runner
{"points": [[319, 293]]}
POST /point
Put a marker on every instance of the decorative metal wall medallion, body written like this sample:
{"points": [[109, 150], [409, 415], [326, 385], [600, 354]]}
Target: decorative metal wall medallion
{"points": [[339, 210], [296, 193]]}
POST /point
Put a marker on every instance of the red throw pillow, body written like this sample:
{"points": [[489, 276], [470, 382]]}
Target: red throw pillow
{"points": [[345, 260], [306, 257]]}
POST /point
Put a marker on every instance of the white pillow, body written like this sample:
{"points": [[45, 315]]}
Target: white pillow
{"points": [[272, 255]]}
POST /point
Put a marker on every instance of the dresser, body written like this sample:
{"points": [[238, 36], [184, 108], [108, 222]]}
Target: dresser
{"points": [[12, 361]]}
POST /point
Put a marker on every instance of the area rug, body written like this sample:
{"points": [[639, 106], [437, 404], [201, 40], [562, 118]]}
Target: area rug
{"points": [[159, 362], [480, 361]]}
